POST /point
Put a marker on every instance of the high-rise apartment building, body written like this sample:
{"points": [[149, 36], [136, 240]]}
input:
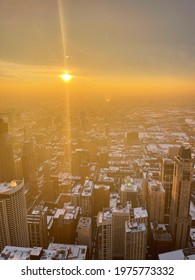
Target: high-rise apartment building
{"points": [[65, 222], [37, 227], [78, 156], [135, 241], [13, 222], [120, 215], [129, 191], [156, 201], [180, 220], [84, 232], [159, 239], [104, 234], [139, 215], [87, 199], [101, 198], [76, 194]]}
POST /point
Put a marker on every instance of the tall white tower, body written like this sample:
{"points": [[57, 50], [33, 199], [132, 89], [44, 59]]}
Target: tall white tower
{"points": [[13, 222]]}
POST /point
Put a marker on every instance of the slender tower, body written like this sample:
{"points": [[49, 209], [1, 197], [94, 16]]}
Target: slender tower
{"points": [[180, 219], [6, 154]]}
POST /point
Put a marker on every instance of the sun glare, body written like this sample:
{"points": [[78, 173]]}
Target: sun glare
{"points": [[66, 77]]}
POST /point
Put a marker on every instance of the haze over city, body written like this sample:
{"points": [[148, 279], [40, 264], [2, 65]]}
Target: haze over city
{"points": [[97, 129]]}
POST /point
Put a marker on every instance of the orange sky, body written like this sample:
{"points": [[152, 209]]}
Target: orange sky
{"points": [[29, 79], [144, 47]]}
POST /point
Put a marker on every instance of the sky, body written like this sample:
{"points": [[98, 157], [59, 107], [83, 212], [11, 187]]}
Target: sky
{"points": [[109, 46]]}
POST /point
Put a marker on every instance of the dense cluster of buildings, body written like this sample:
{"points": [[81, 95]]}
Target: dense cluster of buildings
{"points": [[115, 187]]}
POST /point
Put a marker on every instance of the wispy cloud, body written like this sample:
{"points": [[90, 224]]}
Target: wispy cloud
{"points": [[22, 72]]}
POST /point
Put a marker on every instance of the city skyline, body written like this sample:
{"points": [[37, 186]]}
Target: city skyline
{"points": [[119, 177], [97, 129]]}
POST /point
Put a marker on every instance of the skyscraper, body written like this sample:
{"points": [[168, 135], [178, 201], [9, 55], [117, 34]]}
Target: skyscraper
{"points": [[28, 166], [156, 201], [6, 154], [180, 220], [87, 199], [167, 181], [120, 215], [84, 232], [101, 198], [37, 227], [104, 234], [128, 191], [135, 241], [13, 222], [65, 222]]}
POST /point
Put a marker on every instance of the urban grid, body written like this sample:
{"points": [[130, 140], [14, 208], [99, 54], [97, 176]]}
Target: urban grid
{"points": [[107, 186]]}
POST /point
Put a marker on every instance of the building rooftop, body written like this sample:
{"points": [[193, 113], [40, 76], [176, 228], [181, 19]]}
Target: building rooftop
{"points": [[8, 188], [139, 212], [54, 252], [124, 208], [69, 213], [102, 186], [58, 213], [185, 151], [131, 185], [67, 251], [185, 254], [15, 253], [134, 227], [192, 234], [76, 189], [155, 186], [88, 188], [84, 222], [160, 232], [105, 215], [38, 210]]}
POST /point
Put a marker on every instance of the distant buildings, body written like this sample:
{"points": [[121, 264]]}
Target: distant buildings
{"points": [[113, 188], [7, 173]]}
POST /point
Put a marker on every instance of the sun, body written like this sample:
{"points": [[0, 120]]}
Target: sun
{"points": [[66, 77]]}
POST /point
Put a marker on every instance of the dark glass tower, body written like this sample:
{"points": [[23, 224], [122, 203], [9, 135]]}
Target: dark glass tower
{"points": [[180, 220], [6, 154]]}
